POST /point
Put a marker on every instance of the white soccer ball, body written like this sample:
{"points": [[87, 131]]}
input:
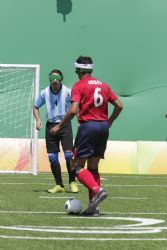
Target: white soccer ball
{"points": [[73, 206]]}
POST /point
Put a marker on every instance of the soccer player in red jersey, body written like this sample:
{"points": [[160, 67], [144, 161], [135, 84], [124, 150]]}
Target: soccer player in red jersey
{"points": [[90, 98]]}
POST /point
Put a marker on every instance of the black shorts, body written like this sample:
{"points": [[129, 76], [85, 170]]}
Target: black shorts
{"points": [[65, 136]]}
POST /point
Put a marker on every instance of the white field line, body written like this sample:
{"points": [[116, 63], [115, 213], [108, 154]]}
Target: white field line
{"points": [[28, 177], [103, 213], [23, 183], [138, 177], [126, 227], [33, 183], [135, 213], [32, 212], [104, 179], [68, 231], [119, 198], [54, 197], [144, 225], [137, 185], [128, 198], [119, 229], [80, 239], [142, 221], [49, 176], [106, 185]]}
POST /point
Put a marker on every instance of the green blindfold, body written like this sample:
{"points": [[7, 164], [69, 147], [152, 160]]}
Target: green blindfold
{"points": [[55, 77]]}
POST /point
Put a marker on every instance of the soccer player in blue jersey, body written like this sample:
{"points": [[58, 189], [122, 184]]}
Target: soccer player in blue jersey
{"points": [[57, 98]]}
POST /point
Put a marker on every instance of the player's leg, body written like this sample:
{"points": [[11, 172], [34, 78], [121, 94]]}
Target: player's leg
{"points": [[52, 146], [66, 137], [84, 175], [71, 173], [56, 171], [98, 144], [82, 151], [87, 179], [68, 157], [92, 166], [91, 143]]}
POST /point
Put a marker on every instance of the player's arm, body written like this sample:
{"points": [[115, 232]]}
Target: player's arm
{"points": [[38, 103], [37, 118], [77, 115], [118, 106], [68, 117]]}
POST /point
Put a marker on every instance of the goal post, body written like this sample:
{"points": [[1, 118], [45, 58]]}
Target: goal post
{"points": [[19, 87]]}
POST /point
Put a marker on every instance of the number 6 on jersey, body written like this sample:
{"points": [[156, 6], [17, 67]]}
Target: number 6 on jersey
{"points": [[98, 99]]}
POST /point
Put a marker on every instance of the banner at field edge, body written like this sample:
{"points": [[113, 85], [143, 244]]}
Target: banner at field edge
{"points": [[122, 157]]}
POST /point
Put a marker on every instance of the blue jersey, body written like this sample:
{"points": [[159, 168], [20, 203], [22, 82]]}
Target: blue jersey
{"points": [[57, 105]]}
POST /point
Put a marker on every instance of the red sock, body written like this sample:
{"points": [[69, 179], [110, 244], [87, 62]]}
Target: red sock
{"points": [[87, 179], [97, 180]]}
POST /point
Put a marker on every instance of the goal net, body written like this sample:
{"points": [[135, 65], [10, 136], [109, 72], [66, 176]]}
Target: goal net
{"points": [[19, 86]]}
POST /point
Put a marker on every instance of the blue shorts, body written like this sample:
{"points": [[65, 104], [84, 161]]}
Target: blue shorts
{"points": [[91, 139]]}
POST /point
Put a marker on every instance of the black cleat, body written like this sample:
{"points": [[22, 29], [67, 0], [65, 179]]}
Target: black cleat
{"points": [[94, 213], [97, 199]]}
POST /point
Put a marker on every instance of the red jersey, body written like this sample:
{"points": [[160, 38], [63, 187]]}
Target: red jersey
{"points": [[93, 97]]}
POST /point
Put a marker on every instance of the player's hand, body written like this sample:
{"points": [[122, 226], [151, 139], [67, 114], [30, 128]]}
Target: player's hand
{"points": [[54, 130], [38, 124], [166, 115], [110, 123]]}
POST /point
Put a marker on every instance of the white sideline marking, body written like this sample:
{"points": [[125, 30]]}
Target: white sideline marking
{"points": [[28, 177], [29, 183], [104, 179], [124, 185], [68, 231], [31, 212], [99, 228], [119, 229], [105, 185], [62, 197], [49, 176], [81, 239], [142, 221], [23, 183], [105, 212], [138, 177], [129, 198], [137, 213], [54, 197]]}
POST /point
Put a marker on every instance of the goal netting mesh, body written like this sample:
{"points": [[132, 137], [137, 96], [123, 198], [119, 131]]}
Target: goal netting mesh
{"points": [[19, 86]]}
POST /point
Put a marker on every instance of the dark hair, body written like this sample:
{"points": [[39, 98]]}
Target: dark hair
{"points": [[56, 71], [84, 60]]}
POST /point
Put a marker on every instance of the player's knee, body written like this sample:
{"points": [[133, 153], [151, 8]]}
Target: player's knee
{"points": [[53, 158], [68, 156], [77, 165]]}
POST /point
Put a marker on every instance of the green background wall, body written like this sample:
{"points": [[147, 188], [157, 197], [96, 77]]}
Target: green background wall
{"points": [[127, 40]]}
